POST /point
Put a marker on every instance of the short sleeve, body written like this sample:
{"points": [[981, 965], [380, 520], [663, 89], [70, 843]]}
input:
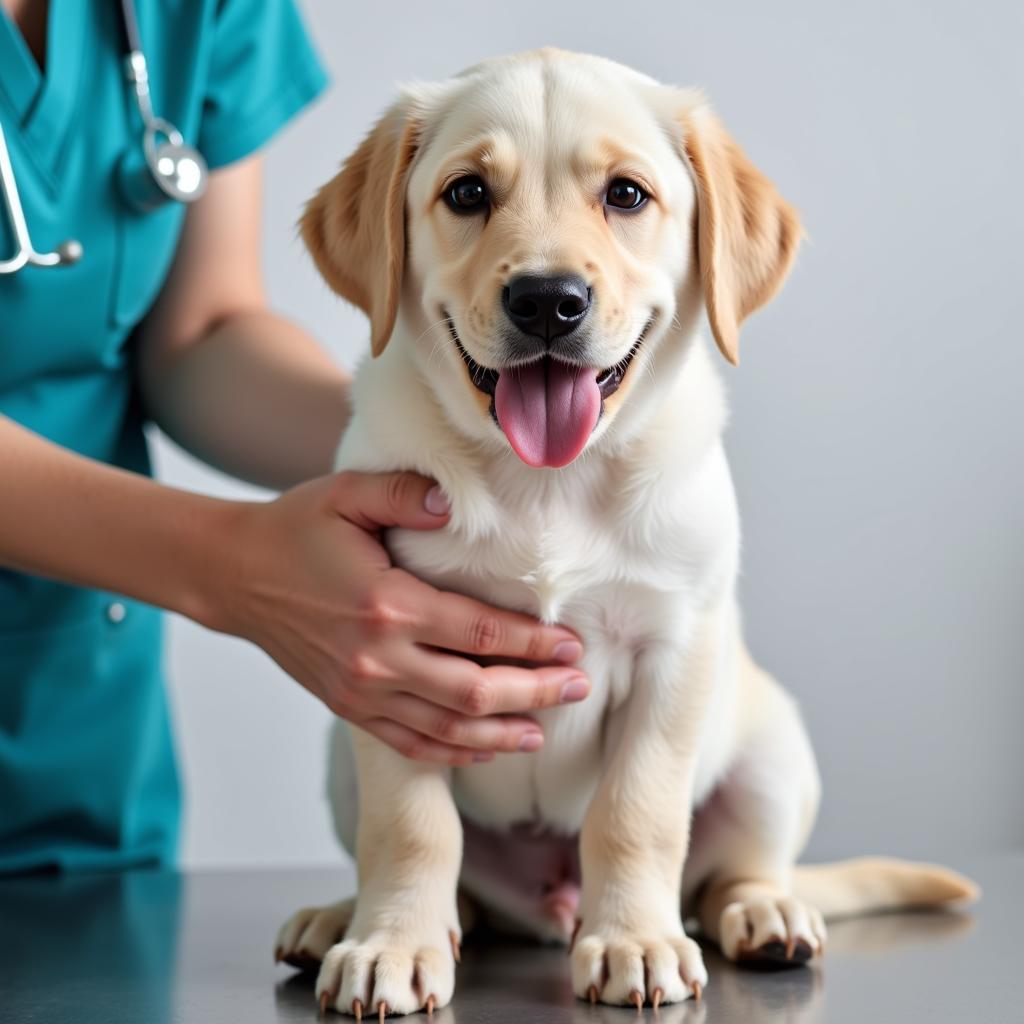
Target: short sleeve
{"points": [[263, 70]]}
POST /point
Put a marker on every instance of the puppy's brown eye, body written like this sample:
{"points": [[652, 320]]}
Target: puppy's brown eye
{"points": [[624, 194], [467, 195]]}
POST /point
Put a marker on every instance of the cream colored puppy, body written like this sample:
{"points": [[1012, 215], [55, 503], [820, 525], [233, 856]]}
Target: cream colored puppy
{"points": [[535, 242]]}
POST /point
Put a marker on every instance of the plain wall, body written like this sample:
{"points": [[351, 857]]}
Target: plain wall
{"points": [[876, 437]]}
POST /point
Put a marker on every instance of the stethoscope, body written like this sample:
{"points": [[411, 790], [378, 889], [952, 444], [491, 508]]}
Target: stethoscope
{"points": [[167, 168]]}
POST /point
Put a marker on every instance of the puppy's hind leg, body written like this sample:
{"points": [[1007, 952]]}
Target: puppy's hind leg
{"points": [[746, 838], [305, 937]]}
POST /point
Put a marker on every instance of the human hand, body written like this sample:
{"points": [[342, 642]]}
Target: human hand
{"points": [[311, 583]]}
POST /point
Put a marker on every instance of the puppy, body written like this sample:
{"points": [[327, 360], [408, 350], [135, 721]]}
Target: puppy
{"points": [[535, 242]]}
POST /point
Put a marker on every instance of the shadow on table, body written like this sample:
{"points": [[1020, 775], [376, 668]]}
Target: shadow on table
{"points": [[503, 980]]}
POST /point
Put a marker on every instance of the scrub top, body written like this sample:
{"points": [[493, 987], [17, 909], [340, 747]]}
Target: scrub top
{"points": [[87, 769]]}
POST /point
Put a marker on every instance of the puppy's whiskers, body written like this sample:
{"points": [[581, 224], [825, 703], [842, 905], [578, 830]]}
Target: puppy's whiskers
{"points": [[439, 341]]}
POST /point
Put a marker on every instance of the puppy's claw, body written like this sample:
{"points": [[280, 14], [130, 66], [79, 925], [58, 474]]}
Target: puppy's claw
{"points": [[456, 948], [278, 955], [325, 998], [575, 932], [430, 1006], [592, 993], [637, 999], [382, 1012], [357, 1009], [697, 991], [657, 997], [790, 947]]}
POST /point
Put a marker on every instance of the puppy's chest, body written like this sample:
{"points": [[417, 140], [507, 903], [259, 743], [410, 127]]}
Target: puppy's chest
{"points": [[625, 574], [557, 563]]}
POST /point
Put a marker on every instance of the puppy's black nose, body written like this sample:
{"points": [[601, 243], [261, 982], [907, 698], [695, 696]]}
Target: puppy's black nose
{"points": [[547, 307]]}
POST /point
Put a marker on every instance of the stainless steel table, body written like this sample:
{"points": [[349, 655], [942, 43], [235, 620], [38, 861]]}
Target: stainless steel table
{"points": [[152, 947]]}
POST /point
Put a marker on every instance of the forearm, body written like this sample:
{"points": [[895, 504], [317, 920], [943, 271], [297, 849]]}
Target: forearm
{"points": [[256, 397], [69, 518]]}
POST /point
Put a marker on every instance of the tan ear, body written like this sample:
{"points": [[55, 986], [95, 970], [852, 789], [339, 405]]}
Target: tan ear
{"points": [[355, 225], [747, 234]]}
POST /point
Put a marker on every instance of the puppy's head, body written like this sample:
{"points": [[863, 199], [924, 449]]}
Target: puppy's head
{"points": [[548, 226]]}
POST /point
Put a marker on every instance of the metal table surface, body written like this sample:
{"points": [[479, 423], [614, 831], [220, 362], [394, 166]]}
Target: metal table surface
{"points": [[157, 947]]}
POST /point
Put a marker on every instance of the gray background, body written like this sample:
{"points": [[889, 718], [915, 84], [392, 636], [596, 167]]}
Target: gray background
{"points": [[876, 434]]}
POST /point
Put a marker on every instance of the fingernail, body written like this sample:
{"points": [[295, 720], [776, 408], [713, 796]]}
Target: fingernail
{"points": [[435, 502], [483, 756], [568, 651], [530, 742], [574, 690]]}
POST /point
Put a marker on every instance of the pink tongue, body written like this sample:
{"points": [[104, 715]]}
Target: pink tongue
{"points": [[548, 410]]}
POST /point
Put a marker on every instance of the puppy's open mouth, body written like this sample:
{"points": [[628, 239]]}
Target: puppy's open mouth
{"points": [[547, 409]]}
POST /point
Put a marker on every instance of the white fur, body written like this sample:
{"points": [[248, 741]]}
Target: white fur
{"points": [[635, 546], [624, 550]]}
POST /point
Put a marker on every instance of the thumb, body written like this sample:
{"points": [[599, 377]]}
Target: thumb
{"points": [[375, 500]]}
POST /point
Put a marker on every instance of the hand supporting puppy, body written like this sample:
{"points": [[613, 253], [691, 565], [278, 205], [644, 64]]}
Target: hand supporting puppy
{"points": [[308, 579]]}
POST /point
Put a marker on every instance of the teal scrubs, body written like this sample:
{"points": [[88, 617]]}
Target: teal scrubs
{"points": [[87, 769]]}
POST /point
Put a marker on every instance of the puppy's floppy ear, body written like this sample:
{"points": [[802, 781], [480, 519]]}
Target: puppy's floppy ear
{"points": [[355, 225], [747, 234]]}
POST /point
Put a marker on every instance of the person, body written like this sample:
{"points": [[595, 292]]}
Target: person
{"points": [[164, 319]]}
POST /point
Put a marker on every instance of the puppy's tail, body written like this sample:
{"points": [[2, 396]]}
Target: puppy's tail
{"points": [[870, 884]]}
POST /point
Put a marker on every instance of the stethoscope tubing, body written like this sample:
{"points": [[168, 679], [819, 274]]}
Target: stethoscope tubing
{"points": [[25, 253], [172, 170]]}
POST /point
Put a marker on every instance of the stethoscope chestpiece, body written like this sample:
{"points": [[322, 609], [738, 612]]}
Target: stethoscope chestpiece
{"points": [[167, 169]]}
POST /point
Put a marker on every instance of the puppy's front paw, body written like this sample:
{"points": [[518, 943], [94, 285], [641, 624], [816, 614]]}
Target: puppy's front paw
{"points": [[626, 969], [767, 932], [387, 972], [307, 935]]}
